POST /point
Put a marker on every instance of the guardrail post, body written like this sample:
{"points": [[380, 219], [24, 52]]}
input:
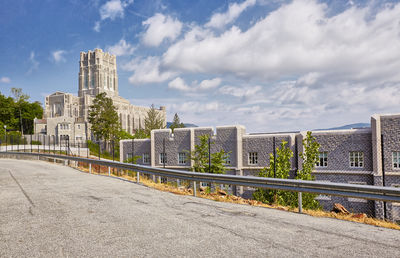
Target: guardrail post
{"points": [[194, 188], [137, 177], [109, 171], [90, 168], [300, 202]]}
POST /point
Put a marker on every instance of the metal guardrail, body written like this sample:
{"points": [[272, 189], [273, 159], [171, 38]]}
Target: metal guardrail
{"points": [[370, 192]]}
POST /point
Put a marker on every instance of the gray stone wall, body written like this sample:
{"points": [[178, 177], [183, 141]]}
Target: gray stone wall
{"points": [[338, 145], [140, 147], [263, 145], [351, 204], [390, 129]]}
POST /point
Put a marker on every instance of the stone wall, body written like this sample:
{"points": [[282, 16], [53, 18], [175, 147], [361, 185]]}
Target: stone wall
{"points": [[337, 143]]}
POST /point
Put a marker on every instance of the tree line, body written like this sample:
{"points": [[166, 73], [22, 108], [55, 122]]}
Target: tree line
{"points": [[17, 113]]}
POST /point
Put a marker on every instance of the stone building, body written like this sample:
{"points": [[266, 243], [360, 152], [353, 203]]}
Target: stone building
{"points": [[346, 156], [67, 115]]}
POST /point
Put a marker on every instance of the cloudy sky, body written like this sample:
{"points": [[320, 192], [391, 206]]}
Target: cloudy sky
{"points": [[271, 65]]}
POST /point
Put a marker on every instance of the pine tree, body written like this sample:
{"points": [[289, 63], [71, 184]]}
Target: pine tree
{"points": [[176, 123], [153, 120]]}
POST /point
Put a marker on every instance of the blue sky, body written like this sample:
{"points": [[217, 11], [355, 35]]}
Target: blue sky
{"points": [[271, 65]]}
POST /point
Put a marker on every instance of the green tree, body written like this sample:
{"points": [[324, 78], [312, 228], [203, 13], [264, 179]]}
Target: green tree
{"points": [[176, 123], [153, 120], [18, 113], [103, 118], [286, 198], [20, 98], [310, 157], [200, 156], [282, 164]]}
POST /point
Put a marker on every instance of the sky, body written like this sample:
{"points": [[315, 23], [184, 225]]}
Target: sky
{"points": [[270, 65]]}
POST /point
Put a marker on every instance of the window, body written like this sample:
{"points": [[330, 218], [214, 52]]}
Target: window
{"points": [[146, 158], [253, 159], [356, 159], [163, 158], [396, 159], [322, 160], [182, 158], [128, 155]]}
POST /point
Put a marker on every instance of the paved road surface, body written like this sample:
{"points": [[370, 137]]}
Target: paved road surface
{"points": [[52, 210]]}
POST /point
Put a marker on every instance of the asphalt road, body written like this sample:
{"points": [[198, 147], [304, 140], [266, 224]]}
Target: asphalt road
{"points": [[52, 210]]}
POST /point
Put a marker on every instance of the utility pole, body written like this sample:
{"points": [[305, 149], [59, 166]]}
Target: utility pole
{"points": [[209, 154], [165, 155]]}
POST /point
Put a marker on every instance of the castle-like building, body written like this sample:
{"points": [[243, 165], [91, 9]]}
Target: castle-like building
{"points": [[366, 156], [67, 115]]}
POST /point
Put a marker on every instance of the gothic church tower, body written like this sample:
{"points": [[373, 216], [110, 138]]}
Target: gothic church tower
{"points": [[97, 74]]}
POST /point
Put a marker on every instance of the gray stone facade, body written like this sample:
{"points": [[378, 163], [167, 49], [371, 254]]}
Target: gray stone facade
{"points": [[67, 115], [339, 146]]}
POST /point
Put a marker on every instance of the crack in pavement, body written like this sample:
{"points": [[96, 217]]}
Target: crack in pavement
{"points": [[23, 191]]}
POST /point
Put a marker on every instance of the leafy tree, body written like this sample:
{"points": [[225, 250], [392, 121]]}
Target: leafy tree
{"points": [[176, 123], [103, 118], [153, 120], [310, 158], [283, 156], [19, 98], [18, 111], [200, 156], [286, 198]]}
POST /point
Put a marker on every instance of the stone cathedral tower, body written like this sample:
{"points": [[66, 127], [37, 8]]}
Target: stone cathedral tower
{"points": [[67, 115], [98, 73]]}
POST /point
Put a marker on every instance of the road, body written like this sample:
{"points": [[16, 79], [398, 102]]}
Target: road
{"points": [[52, 210]]}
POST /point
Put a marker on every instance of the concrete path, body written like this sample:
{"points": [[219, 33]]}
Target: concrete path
{"points": [[52, 210]]}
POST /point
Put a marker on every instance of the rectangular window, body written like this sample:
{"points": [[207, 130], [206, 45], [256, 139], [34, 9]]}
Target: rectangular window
{"points": [[146, 158], [253, 159], [182, 158], [322, 159], [356, 159], [396, 159], [128, 155], [163, 158]]}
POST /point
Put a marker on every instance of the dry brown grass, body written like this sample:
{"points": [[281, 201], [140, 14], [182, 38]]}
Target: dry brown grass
{"points": [[221, 196]]}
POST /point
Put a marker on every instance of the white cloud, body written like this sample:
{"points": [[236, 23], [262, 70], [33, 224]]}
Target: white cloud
{"points": [[96, 26], [219, 20], [5, 80], [179, 84], [311, 69], [160, 27], [111, 10], [57, 56], [122, 48], [297, 39], [210, 84], [147, 70], [240, 92], [34, 64]]}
